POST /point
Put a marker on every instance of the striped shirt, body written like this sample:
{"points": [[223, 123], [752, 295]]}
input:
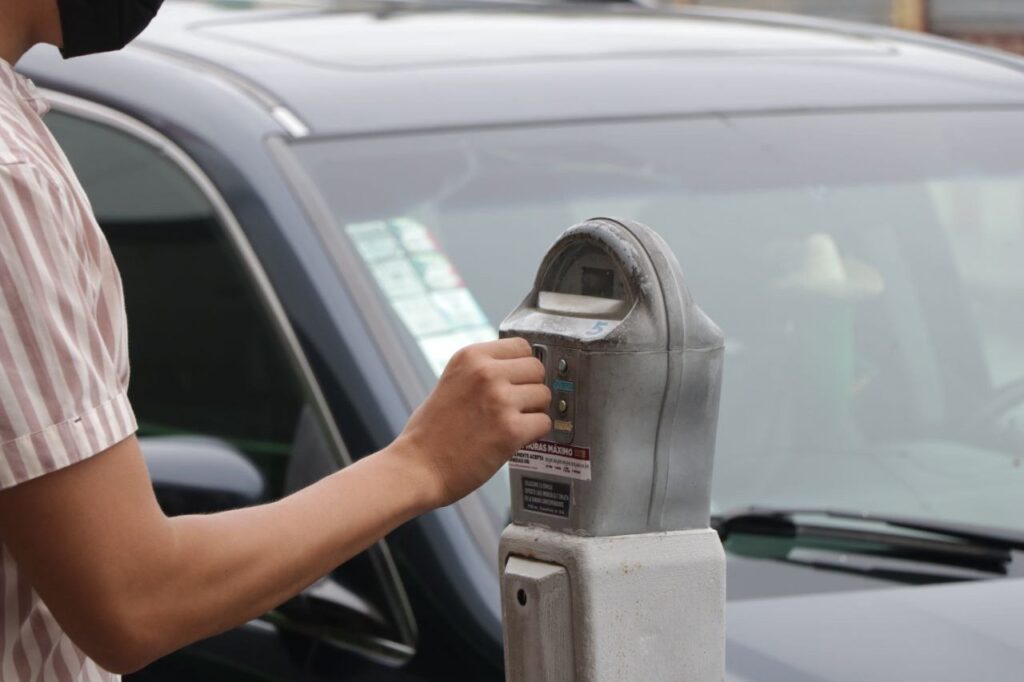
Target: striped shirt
{"points": [[63, 356]]}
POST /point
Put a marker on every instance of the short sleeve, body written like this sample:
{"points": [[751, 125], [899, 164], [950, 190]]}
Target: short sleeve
{"points": [[63, 350]]}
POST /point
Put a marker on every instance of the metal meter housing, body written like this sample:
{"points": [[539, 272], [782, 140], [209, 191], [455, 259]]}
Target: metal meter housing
{"points": [[635, 370]]}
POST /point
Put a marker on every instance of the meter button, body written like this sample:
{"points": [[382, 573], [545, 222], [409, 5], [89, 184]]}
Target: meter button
{"points": [[563, 418], [563, 431], [563, 366]]}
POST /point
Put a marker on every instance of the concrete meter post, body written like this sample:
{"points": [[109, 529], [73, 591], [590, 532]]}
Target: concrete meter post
{"points": [[610, 571]]}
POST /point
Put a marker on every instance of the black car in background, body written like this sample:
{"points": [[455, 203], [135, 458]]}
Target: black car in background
{"points": [[313, 205]]}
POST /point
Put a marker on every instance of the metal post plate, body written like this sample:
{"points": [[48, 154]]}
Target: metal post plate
{"points": [[537, 612]]}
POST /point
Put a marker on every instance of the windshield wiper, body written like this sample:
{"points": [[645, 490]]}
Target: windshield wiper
{"points": [[746, 517], [960, 545]]}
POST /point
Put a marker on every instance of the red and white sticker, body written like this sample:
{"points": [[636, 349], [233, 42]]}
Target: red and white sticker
{"points": [[557, 459]]}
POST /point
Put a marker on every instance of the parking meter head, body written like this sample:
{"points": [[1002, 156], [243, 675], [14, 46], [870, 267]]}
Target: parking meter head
{"points": [[634, 368]]}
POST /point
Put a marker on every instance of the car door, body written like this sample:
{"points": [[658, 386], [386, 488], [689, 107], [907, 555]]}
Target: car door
{"points": [[213, 356]]}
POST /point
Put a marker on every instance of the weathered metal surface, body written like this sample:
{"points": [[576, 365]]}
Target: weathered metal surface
{"points": [[645, 385], [644, 607]]}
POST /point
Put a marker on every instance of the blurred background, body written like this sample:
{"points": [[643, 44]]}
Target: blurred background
{"points": [[995, 23]]}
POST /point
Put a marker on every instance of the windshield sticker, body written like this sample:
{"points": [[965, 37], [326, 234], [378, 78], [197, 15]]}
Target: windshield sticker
{"points": [[374, 241], [398, 279], [436, 270], [415, 238], [459, 308], [438, 350], [423, 287], [420, 316]]}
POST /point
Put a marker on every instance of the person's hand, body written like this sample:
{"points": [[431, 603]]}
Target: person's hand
{"points": [[490, 401]]}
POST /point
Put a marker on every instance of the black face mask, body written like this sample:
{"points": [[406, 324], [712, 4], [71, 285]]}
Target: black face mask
{"points": [[91, 26]]}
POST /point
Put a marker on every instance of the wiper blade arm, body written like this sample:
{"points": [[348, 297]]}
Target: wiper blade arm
{"points": [[996, 538], [904, 576]]}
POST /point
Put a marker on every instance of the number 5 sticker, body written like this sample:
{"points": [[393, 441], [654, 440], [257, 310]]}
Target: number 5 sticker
{"points": [[597, 329]]}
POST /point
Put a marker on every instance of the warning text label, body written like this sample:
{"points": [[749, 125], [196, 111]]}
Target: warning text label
{"points": [[547, 457], [546, 497]]}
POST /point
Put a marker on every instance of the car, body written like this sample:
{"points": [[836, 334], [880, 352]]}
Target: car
{"points": [[313, 205]]}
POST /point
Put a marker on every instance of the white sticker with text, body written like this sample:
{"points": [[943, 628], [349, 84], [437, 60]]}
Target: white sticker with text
{"points": [[557, 459]]}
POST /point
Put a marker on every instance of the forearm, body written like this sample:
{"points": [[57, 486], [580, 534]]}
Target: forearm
{"points": [[128, 584], [234, 566], [162, 583]]}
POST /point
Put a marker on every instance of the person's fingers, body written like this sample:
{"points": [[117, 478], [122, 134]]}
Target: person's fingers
{"points": [[506, 349], [531, 397], [533, 426], [523, 370]]}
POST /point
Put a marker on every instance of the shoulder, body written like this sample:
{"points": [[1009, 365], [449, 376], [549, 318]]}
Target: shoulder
{"points": [[16, 134], [23, 135], [33, 206], [24, 178]]}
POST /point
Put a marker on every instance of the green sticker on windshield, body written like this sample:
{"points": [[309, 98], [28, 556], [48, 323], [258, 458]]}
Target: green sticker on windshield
{"points": [[423, 287]]}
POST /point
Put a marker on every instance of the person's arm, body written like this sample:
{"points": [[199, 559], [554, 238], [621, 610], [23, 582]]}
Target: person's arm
{"points": [[129, 585]]}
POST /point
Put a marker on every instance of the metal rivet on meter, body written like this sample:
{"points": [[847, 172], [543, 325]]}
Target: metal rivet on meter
{"points": [[563, 407], [563, 366]]}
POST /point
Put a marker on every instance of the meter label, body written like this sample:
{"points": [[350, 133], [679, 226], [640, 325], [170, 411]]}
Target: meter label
{"points": [[557, 459], [563, 386], [546, 497]]}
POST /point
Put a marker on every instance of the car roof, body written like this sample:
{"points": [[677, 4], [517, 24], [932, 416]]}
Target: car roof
{"points": [[377, 67]]}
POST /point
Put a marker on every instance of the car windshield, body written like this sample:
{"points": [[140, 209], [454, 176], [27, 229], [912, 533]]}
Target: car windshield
{"points": [[865, 268]]}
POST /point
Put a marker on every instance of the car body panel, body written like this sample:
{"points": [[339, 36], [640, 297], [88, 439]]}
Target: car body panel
{"points": [[513, 65], [965, 631]]}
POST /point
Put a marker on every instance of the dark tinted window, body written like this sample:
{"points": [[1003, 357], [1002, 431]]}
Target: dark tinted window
{"points": [[204, 357]]}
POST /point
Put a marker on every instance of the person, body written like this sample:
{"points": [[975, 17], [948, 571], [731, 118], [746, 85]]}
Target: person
{"points": [[95, 580]]}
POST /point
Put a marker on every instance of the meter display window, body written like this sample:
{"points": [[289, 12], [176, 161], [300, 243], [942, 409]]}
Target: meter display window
{"points": [[598, 282], [865, 269]]}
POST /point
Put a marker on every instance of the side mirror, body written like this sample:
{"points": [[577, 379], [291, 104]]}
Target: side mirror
{"points": [[200, 475]]}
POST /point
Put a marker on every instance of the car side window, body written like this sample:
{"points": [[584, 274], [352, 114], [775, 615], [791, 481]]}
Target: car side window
{"points": [[206, 359], [204, 356]]}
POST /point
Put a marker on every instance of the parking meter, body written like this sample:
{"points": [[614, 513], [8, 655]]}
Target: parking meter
{"points": [[635, 368], [609, 569]]}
